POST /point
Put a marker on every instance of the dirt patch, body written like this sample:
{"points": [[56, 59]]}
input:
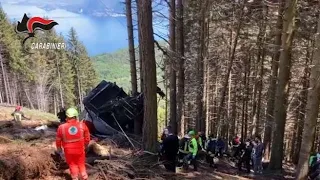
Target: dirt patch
{"points": [[19, 161]]}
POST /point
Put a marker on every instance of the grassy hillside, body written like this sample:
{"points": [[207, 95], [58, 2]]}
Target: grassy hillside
{"points": [[115, 67], [6, 110]]}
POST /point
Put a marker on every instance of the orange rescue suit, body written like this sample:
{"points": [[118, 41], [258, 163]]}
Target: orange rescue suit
{"points": [[74, 136]]}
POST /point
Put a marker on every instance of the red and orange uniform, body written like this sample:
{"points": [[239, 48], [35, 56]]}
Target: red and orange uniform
{"points": [[73, 136]]}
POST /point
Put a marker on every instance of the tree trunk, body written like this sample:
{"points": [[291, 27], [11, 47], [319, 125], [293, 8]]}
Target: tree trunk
{"points": [[4, 79], [232, 57], [140, 50], [133, 69], [180, 51], [150, 128], [60, 84], [312, 111], [302, 108], [173, 77], [16, 90], [283, 79], [247, 89], [166, 103], [54, 103], [259, 84], [202, 63], [193, 73], [272, 87], [79, 88]]}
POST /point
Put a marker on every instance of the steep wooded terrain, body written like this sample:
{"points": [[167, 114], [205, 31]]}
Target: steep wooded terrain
{"points": [[115, 67], [43, 79]]}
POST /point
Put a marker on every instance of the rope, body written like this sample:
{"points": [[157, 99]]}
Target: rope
{"points": [[123, 131]]}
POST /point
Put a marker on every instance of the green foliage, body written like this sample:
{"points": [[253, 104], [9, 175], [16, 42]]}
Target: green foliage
{"points": [[46, 74], [161, 115], [115, 67], [84, 76]]}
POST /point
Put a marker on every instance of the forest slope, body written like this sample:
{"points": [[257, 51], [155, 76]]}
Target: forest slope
{"points": [[6, 110], [115, 67]]}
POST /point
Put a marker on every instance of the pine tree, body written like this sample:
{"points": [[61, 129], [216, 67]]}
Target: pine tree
{"points": [[84, 73]]}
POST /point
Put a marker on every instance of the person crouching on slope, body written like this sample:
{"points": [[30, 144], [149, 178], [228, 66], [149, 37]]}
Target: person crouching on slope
{"points": [[74, 137]]}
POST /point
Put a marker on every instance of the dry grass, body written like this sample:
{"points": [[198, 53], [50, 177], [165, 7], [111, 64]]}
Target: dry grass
{"points": [[35, 115]]}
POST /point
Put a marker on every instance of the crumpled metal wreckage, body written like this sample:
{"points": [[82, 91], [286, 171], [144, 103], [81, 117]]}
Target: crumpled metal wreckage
{"points": [[110, 109]]}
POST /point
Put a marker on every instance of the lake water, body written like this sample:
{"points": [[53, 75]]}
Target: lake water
{"points": [[99, 35]]}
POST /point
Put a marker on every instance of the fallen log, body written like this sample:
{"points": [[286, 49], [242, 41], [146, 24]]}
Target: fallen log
{"points": [[6, 124], [100, 150], [29, 135]]}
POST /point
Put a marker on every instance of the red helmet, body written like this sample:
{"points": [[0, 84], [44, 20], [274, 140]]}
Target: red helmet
{"points": [[18, 108]]}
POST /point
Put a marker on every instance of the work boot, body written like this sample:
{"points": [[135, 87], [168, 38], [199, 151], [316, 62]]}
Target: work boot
{"points": [[84, 176]]}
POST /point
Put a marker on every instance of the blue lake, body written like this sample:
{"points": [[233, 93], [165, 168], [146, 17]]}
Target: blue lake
{"points": [[98, 34]]}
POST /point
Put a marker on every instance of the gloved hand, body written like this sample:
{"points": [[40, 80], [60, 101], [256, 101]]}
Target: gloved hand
{"points": [[59, 150]]}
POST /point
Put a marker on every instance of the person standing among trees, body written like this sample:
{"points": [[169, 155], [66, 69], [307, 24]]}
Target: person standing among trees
{"points": [[193, 150], [211, 150], [183, 148], [62, 115], [74, 137], [235, 146], [257, 155], [170, 149], [245, 156], [201, 140], [220, 147]]}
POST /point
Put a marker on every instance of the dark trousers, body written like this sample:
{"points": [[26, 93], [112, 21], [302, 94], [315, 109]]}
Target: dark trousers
{"points": [[210, 160], [170, 163], [236, 152], [193, 161], [246, 161], [220, 152]]}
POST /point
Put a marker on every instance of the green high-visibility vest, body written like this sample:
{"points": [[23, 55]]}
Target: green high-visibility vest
{"points": [[17, 116]]}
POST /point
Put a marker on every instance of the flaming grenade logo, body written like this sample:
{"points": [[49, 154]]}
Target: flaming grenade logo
{"points": [[30, 25]]}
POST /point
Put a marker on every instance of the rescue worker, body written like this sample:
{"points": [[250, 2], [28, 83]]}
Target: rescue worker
{"points": [[313, 159], [18, 114], [62, 115], [183, 149], [169, 150], [201, 140], [163, 136], [220, 147], [211, 150], [235, 146], [314, 168], [193, 150], [201, 146], [164, 133], [245, 156], [257, 154], [73, 136]]}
